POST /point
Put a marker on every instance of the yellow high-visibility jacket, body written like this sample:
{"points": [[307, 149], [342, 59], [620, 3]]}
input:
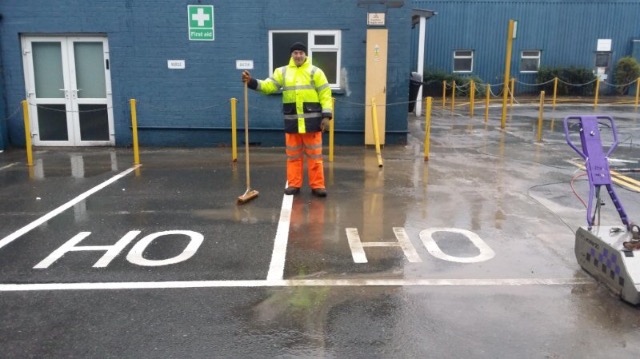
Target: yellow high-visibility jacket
{"points": [[306, 95]]}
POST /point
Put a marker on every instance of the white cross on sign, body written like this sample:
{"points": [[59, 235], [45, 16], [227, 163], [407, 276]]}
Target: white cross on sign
{"points": [[200, 17], [201, 21]]}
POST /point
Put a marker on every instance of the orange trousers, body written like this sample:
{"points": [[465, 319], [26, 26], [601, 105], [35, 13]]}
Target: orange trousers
{"points": [[310, 146]]}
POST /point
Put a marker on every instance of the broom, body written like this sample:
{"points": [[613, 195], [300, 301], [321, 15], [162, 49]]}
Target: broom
{"points": [[249, 194]]}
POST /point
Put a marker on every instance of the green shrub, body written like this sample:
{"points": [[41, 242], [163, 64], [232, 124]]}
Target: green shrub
{"points": [[432, 84], [573, 81], [626, 72]]}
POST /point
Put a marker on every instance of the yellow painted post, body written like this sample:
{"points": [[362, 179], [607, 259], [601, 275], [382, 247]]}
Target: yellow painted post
{"points": [[540, 115], [555, 91], [444, 94], [331, 128], [637, 91], [234, 130], [376, 137], [507, 70], [486, 102], [134, 127], [427, 128], [472, 97], [513, 89], [27, 132], [595, 100], [453, 96]]}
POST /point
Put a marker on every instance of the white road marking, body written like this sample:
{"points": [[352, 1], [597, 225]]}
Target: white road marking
{"points": [[299, 283], [357, 246], [9, 165], [276, 268], [15, 235], [429, 242], [135, 254], [357, 250]]}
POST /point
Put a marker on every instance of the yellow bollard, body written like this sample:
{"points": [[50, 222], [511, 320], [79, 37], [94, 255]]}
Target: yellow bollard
{"points": [[234, 129], [376, 136], [453, 97], [486, 101], [331, 124], [27, 132], [134, 127], [637, 92], [427, 129], [511, 91], [555, 91], [540, 115], [472, 97], [507, 71], [444, 94], [595, 100]]}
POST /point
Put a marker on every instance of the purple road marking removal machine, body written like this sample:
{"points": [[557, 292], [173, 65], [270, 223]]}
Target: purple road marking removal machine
{"points": [[611, 254]]}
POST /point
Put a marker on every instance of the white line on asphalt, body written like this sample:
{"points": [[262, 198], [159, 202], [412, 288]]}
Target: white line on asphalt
{"points": [[9, 165], [298, 283], [15, 235], [276, 268]]}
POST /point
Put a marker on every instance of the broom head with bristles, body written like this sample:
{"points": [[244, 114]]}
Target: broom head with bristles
{"points": [[248, 196]]}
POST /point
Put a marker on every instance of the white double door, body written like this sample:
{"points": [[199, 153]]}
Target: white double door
{"points": [[68, 88]]}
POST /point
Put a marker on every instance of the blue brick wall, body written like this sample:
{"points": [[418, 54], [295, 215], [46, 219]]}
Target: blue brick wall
{"points": [[143, 35]]}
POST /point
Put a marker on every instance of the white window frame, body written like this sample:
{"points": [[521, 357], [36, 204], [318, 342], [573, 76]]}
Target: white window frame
{"points": [[311, 47], [456, 56], [524, 57]]}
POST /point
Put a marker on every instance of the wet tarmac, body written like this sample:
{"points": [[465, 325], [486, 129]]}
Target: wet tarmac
{"points": [[468, 255]]}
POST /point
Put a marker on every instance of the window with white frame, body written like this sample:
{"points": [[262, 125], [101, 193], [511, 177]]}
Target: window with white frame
{"points": [[530, 61], [323, 47], [463, 61]]}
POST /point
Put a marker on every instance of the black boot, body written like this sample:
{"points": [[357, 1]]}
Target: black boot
{"points": [[319, 192], [292, 190]]}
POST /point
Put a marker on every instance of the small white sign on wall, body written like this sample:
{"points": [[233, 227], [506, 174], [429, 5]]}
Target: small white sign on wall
{"points": [[176, 64], [376, 19], [244, 64], [604, 45]]}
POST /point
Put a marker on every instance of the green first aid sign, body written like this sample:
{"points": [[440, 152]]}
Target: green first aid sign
{"points": [[200, 22]]}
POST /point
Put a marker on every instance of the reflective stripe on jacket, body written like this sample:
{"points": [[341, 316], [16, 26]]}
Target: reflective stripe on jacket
{"points": [[306, 95]]}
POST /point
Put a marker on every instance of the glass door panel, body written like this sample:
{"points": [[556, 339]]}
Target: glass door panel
{"points": [[47, 68], [52, 123], [94, 123], [90, 76]]}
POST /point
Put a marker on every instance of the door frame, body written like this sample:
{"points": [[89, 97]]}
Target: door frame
{"points": [[70, 100]]}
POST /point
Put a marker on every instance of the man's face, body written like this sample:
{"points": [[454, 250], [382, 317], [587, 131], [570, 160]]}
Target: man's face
{"points": [[298, 57]]}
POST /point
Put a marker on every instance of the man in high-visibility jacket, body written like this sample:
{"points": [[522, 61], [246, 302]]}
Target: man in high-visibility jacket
{"points": [[308, 108]]}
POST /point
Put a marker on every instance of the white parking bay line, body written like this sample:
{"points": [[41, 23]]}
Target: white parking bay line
{"points": [[276, 268], [356, 282], [9, 165], [15, 235]]}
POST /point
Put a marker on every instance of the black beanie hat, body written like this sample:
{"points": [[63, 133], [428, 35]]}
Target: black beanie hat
{"points": [[298, 46]]}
